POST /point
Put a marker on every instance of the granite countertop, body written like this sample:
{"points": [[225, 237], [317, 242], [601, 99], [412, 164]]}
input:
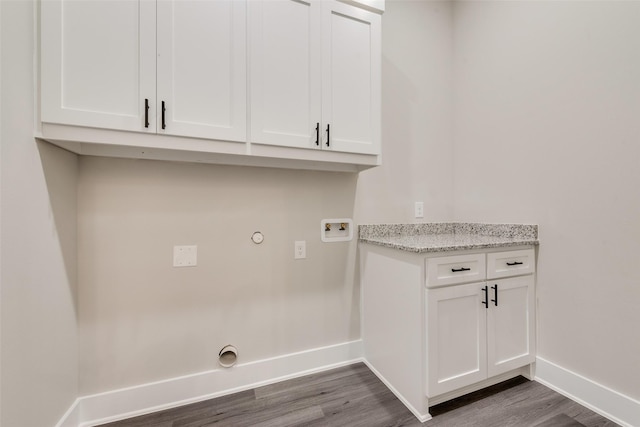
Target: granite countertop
{"points": [[448, 236]]}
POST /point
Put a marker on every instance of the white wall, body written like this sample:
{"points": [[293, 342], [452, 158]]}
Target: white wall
{"points": [[417, 153], [142, 320], [38, 371], [547, 130]]}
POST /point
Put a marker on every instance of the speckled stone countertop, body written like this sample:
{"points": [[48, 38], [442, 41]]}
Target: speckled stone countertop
{"points": [[448, 236]]}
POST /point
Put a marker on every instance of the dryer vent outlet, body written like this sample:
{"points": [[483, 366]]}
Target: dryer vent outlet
{"points": [[228, 356]]}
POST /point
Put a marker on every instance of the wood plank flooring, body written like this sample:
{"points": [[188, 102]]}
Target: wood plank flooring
{"points": [[354, 396]]}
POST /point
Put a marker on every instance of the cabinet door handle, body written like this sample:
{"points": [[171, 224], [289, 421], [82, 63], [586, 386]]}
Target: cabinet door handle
{"points": [[514, 263], [146, 112], [318, 134], [164, 125], [486, 296], [495, 294], [328, 134], [457, 270]]}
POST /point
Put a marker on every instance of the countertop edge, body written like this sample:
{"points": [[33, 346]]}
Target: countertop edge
{"points": [[450, 248], [508, 231]]}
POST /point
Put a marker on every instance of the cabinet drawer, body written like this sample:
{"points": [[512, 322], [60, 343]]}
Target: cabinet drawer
{"points": [[510, 263], [455, 269]]}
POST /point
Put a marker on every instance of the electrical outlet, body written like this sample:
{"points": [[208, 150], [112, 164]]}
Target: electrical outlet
{"points": [[185, 256], [419, 210], [300, 249]]}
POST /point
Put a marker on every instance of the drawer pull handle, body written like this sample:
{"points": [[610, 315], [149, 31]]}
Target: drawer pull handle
{"points": [[495, 294], [514, 263], [486, 296], [457, 270]]}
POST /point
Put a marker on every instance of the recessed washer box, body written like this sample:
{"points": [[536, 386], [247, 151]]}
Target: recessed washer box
{"points": [[336, 230]]}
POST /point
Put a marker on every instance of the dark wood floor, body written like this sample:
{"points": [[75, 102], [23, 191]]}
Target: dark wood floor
{"points": [[354, 396]]}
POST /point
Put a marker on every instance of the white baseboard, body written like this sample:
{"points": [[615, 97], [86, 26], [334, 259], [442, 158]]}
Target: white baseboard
{"points": [[420, 416], [146, 398], [71, 418], [115, 405], [615, 406]]}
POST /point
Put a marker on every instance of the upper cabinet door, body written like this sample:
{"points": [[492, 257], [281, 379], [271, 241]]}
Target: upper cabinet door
{"points": [[202, 69], [351, 78], [98, 63], [285, 72]]}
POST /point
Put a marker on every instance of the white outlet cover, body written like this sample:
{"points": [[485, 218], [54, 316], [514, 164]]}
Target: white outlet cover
{"points": [[300, 249], [185, 256]]}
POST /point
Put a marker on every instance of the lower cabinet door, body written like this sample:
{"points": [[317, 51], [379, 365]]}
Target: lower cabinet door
{"points": [[456, 337], [510, 324]]}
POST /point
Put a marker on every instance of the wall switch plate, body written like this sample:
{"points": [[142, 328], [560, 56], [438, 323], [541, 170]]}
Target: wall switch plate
{"points": [[185, 256], [300, 249], [419, 209]]}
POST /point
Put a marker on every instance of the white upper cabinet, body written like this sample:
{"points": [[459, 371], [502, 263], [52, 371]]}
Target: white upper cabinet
{"points": [[98, 63], [351, 78], [202, 69], [285, 72], [101, 58], [315, 75], [283, 83]]}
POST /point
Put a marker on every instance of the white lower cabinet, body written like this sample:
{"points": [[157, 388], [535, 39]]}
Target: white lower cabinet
{"points": [[479, 330], [510, 324], [436, 327], [456, 338]]}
